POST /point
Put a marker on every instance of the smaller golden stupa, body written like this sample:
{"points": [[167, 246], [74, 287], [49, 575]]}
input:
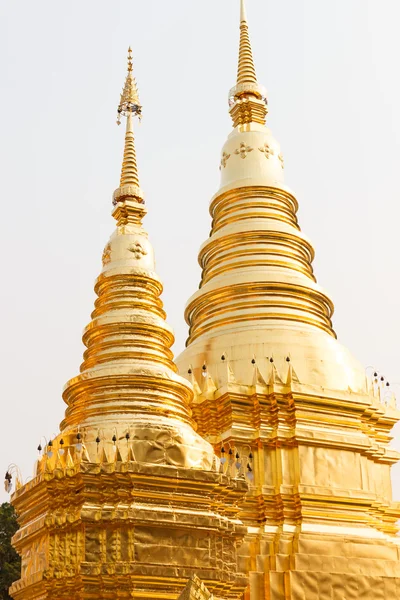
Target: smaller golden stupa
{"points": [[128, 500]]}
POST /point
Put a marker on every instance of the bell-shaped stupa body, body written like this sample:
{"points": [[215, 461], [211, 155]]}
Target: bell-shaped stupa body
{"points": [[128, 500], [276, 390]]}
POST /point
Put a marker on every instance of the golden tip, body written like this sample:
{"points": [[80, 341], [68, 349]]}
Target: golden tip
{"points": [[243, 13]]}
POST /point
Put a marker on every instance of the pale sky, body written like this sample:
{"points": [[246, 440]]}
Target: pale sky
{"points": [[331, 69]]}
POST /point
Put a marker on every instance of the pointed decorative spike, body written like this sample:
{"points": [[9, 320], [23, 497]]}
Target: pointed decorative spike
{"points": [[291, 376], [130, 61], [118, 456], [59, 462], [48, 467], [129, 102], [193, 381], [129, 107], [247, 100], [85, 455], [231, 375], [246, 68], [129, 172], [258, 379], [274, 375], [243, 12], [131, 455], [209, 386], [69, 460], [104, 458]]}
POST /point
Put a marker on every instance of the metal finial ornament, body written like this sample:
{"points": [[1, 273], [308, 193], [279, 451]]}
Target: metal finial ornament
{"points": [[129, 102], [247, 99], [246, 68], [130, 62], [129, 107]]}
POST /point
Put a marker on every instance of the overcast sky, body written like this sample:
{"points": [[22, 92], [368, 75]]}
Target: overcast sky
{"points": [[331, 69]]}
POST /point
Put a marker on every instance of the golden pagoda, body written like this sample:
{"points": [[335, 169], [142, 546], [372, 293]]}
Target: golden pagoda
{"points": [[278, 395], [128, 500]]}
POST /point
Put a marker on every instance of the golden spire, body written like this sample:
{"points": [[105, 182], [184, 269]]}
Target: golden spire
{"points": [[129, 184], [129, 103], [129, 172], [248, 99], [246, 69]]}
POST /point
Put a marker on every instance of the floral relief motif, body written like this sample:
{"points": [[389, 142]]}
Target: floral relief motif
{"points": [[137, 250], [224, 160], [35, 559], [267, 151], [106, 255], [243, 150], [282, 160]]}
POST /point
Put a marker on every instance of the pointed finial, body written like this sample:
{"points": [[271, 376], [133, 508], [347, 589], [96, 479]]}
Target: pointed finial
{"points": [[128, 194], [246, 68], [243, 13], [247, 100], [129, 103], [130, 62]]}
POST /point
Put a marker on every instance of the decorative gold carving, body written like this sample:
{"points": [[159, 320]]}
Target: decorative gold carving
{"points": [[244, 150], [282, 160], [224, 160], [195, 590], [139, 519], [106, 255], [137, 250], [34, 560], [267, 150]]}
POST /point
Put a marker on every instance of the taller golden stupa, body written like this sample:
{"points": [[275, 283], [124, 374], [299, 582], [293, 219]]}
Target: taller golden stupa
{"points": [[266, 476], [277, 393]]}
